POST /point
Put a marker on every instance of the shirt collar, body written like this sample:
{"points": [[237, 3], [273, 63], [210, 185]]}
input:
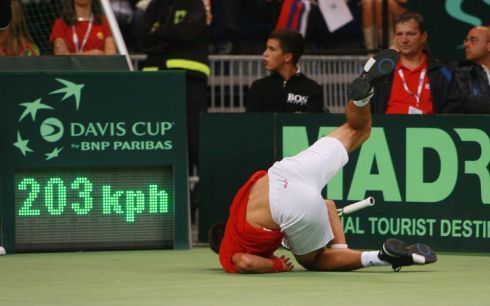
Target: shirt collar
{"points": [[423, 65], [487, 71]]}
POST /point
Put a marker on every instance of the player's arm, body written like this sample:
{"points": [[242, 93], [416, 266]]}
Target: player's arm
{"points": [[249, 263]]}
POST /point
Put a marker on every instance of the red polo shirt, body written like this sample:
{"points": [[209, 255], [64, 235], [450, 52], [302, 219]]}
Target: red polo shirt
{"points": [[403, 101], [95, 38]]}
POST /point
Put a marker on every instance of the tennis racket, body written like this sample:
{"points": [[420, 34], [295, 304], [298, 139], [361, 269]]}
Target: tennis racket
{"points": [[355, 206]]}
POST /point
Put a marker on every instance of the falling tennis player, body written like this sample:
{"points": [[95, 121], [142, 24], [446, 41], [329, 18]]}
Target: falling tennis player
{"points": [[285, 202]]}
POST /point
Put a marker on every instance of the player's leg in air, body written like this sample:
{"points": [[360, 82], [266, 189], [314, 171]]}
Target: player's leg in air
{"points": [[308, 172]]}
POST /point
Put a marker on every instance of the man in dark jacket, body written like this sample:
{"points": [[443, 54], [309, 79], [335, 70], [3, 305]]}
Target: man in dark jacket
{"points": [[286, 89], [474, 79], [420, 84], [174, 35]]}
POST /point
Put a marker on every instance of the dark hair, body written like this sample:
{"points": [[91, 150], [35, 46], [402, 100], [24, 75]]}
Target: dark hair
{"points": [[405, 17], [19, 35], [290, 42], [215, 236], [69, 15]]}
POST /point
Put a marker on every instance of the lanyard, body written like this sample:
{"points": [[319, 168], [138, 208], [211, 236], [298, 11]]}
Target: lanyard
{"points": [[85, 37], [419, 89]]}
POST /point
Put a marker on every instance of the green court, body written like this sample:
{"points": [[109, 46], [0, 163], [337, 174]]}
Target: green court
{"points": [[194, 277]]}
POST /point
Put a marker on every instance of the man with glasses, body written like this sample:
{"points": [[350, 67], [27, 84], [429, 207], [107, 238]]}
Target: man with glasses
{"points": [[474, 79]]}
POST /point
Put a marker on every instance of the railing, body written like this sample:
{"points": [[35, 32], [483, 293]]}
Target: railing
{"points": [[231, 76]]}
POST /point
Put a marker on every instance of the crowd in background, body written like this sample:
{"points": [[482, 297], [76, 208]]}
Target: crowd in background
{"points": [[234, 26], [180, 35]]}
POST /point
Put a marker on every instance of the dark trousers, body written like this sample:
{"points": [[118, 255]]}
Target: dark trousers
{"points": [[197, 102]]}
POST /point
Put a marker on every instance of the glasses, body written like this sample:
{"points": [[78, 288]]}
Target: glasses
{"points": [[472, 40]]}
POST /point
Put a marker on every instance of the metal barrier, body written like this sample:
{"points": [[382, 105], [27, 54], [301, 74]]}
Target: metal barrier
{"points": [[232, 75]]}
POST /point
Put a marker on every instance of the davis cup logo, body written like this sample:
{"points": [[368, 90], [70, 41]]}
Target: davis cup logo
{"points": [[49, 130]]}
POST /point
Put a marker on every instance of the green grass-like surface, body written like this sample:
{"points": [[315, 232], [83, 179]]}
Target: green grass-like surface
{"points": [[194, 277]]}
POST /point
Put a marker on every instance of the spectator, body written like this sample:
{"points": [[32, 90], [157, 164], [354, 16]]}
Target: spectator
{"points": [[82, 30], [5, 16], [474, 79], [420, 84], [286, 89], [18, 42], [174, 34], [372, 21]]}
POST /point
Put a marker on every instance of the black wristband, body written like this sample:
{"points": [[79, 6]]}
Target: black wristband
{"points": [[5, 13]]}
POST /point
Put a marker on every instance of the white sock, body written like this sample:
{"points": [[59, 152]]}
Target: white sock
{"points": [[370, 258]]}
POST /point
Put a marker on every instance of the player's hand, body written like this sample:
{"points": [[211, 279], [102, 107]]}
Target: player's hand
{"points": [[288, 265]]}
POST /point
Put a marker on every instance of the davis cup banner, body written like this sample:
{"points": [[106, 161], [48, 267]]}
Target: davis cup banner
{"points": [[430, 177], [93, 160]]}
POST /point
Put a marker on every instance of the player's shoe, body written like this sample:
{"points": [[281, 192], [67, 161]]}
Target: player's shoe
{"points": [[375, 69], [398, 255], [425, 251]]}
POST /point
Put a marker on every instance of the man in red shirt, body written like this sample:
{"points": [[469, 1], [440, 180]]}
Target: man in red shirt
{"points": [[420, 83], [286, 202]]}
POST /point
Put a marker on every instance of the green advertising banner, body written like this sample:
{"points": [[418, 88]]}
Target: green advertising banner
{"points": [[232, 148], [430, 177], [93, 160]]}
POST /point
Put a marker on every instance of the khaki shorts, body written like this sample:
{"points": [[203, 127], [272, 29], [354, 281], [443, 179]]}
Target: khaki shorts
{"points": [[295, 194]]}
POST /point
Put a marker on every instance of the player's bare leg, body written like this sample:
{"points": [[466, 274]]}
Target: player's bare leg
{"points": [[337, 229]]}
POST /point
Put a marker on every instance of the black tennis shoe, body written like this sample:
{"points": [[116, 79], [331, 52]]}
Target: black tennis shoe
{"points": [[398, 255], [375, 69]]}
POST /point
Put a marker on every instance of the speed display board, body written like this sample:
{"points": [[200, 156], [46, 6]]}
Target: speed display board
{"points": [[93, 161], [92, 208]]}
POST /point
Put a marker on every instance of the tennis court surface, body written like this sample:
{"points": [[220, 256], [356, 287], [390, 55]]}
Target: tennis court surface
{"points": [[194, 277]]}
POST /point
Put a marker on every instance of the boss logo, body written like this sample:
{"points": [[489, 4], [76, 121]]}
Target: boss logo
{"points": [[297, 99]]}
